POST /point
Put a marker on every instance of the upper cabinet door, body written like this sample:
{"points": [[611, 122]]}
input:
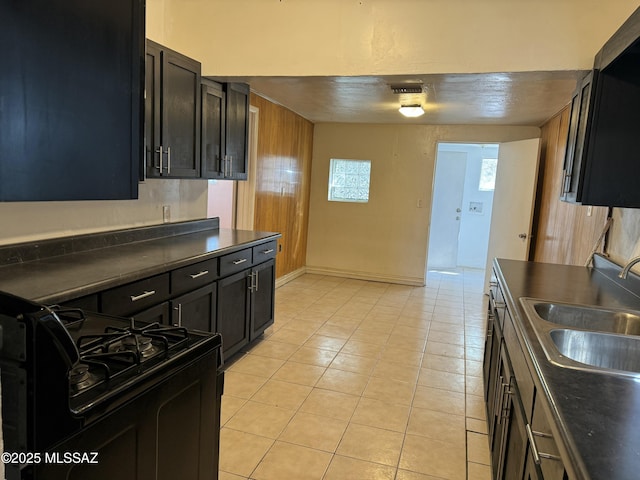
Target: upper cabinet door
{"points": [[212, 149], [575, 153], [237, 130], [153, 68], [174, 150], [71, 99]]}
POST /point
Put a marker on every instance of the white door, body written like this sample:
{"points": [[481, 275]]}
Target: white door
{"points": [[513, 201], [446, 208]]}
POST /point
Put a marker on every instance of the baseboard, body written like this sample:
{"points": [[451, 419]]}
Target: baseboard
{"points": [[290, 276], [372, 277]]}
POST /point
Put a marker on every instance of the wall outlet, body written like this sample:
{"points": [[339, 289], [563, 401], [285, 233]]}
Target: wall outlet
{"points": [[419, 203], [166, 213], [589, 210]]}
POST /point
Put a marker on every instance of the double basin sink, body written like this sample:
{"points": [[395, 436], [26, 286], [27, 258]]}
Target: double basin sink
{"points": [[605, 340]]}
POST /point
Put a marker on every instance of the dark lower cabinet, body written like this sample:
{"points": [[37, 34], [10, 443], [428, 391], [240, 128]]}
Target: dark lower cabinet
{"points": [[262, 298], [520, 441], [514, 449], [233, 311], [246, 303], [195, 310], [499, 414]]}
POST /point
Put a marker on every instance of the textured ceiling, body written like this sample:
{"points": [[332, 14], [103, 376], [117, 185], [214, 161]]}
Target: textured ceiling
{"points": [[523, 98]]}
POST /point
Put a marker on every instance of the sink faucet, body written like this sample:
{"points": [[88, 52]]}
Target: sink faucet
{"points": [[627, 267]]}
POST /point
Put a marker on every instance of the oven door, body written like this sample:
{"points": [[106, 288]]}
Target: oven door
{"points": [[170, 431]]}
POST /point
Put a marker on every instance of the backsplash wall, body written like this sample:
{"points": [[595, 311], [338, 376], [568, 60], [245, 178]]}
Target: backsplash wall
{"points": [[28, 221]]}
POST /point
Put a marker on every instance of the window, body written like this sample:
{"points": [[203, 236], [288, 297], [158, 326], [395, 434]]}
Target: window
{"points": [[349, 180], [488, 174]]}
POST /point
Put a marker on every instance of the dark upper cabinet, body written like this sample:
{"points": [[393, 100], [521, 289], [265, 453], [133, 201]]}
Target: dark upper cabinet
{"points": [[601, 164], [71, 100], [225, 128], [237, 148], [172, 114], [574, 166], [213, 137]]}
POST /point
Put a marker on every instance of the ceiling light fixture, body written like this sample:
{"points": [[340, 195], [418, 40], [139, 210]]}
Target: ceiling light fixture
{"points": [[411, 110]]}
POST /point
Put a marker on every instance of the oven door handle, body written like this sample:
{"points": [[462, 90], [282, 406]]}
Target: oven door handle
{"points": [[60, 336]]}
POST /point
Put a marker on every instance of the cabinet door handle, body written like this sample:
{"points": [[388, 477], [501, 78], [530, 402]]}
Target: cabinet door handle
{"points": [[179, 309], [266, 252], [238, 262], [199, 274], [505, 408], [537, 455], [147, 293], [497, 305], [566, 188], [251, 282], [168, 160], [490, 332], [159, 150]]}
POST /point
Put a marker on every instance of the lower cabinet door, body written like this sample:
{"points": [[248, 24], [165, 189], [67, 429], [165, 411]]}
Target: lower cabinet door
{"points": [[195, 310], [515, 445], [233, 311], [262, 298]]}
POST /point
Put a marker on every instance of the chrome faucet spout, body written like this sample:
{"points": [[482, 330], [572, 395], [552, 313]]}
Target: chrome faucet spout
{"points": [[625, 271]]}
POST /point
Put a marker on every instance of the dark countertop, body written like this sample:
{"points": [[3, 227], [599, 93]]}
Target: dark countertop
{"points": [[597, 416], [93, 267]]}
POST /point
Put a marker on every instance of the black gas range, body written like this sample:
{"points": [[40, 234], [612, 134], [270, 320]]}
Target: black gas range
{"points": [[93, 396]]}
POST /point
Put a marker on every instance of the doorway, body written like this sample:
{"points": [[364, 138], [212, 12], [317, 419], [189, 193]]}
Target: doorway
{"points": [[462, 205]]}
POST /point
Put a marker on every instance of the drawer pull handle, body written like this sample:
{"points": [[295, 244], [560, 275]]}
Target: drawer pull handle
{"points": [[147, 293], [537, 456], [266, 252], [199, 274], [238, 262]]}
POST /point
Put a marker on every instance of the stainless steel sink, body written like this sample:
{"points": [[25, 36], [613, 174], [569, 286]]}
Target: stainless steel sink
{"points": [[583, 337], [605, 351], [588, 318]]}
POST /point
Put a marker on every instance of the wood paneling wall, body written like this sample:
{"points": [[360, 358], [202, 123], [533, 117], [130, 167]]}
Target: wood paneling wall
{"points": [[285, 145], [564, 232]]}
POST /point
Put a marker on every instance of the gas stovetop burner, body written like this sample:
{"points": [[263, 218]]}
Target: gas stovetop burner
{"points": [[136, 343], [81, 378]]}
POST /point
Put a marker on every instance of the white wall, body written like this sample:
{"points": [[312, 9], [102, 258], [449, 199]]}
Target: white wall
{"points": [[220, 202], [27, 221], [385, 239], [371, 37]]}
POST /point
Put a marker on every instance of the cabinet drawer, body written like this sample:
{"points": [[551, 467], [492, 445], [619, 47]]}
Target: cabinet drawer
{"points": [[235, 262], [136, 296], [264, 252], [193, 276]]}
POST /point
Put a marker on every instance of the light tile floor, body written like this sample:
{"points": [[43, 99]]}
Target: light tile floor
{"points": [[362, 380]]}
